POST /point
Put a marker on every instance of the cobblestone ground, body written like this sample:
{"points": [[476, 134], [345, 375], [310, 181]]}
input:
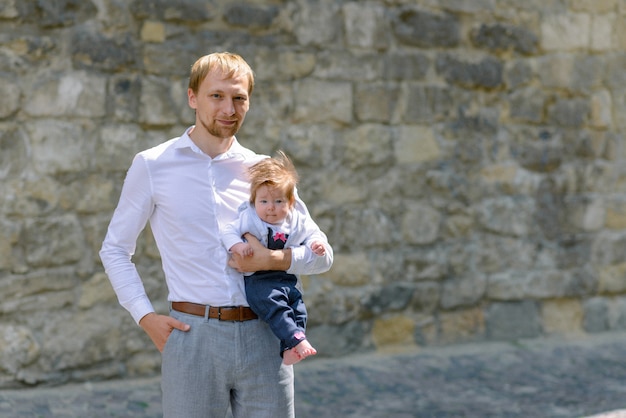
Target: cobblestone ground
{"points": [[581, 377]]}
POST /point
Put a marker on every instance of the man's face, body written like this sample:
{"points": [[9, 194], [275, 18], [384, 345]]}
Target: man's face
{"points": [[221, 104]]}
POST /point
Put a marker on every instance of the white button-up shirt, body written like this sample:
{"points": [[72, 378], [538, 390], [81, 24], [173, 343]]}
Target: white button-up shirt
{"points": [[188, 197]]}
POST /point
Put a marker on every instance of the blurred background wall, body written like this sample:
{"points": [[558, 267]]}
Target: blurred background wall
{"points": [[464, 157]]}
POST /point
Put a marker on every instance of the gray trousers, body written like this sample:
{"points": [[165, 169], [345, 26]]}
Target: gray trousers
{"points": [[217, 364]]}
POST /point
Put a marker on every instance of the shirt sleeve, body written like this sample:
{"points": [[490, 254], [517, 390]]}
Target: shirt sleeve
{"points": [[231, 233], [129, 219], [303, 259]]}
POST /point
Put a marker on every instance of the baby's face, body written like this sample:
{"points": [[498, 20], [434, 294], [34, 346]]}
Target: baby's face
{"points": [[271, 204]]}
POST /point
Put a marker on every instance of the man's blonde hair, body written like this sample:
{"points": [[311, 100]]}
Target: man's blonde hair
{"points": [[278, 172], [229, 64]]}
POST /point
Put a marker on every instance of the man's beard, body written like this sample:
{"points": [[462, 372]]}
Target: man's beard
{"points": [[223, 132]]}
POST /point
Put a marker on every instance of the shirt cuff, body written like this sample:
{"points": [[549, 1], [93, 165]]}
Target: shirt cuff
{"points": [[140, 308]]}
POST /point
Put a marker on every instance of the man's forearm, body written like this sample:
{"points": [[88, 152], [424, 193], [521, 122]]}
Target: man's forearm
{"points": [[263, 258], [280, 259]]}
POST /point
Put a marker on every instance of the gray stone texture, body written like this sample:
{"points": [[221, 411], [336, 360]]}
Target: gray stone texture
{"points": [[465, 158]]}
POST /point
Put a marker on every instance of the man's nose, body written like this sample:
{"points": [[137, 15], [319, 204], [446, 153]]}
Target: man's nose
{"points": [[228, 107]]}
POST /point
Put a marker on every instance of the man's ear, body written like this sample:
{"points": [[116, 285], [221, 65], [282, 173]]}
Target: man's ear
{"points": [[191, 99]]}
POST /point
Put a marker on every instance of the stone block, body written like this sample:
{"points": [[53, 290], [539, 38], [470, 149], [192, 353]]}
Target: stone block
{"points": [[9, 237], [461, 326], [48, 136], [53, 241], [464, 291], [601, 114], [425, 264], [8, 9], [500, 37], [608, 247], [595, 6], [72, 94], [616, 215], [185, 11], [96, 290], [570, 113], [602, 29], [416, 144], [618, 314], [485, 73], [468, 6], [251, 16], [394, 330], [511, 216], [518, 73], [323, 101], [64, 13], [317, 22], [404, 66], [340, 340], [357, 66], [153, 31], [612, 279], [426, 297], [381, 229], [18, 348], [562, 316], [283, 65], [14, 146], [539, 284], [585, 214], [501, 174], [328, 304], [620, 32], [365, 25], [377, 102], [156, 107], [10, 92], [420, 224], [123, 93], [425, 29], [527, 105], [596, 315], [95, 51], [555, 70], [390, 298], [117, 145], [350, 269], [512, 320], [565, 32], [428, 103]]}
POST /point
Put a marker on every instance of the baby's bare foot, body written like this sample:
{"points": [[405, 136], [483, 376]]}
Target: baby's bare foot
{"points": [[291, 356], [305, 349]]}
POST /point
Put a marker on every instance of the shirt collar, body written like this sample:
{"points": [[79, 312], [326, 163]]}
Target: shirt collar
{"points": [[236, 149]]}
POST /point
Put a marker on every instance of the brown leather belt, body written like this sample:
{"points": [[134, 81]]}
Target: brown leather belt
{"points": [[228, 313]]}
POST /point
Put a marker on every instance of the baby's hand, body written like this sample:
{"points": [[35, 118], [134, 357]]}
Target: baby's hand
{"points": [[318, 248], [243, 249]]}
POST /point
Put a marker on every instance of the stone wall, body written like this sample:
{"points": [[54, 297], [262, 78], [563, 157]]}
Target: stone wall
{"points": [[465, 157]]}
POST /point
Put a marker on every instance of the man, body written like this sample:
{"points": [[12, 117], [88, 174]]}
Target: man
{"points": [[215, 352]]}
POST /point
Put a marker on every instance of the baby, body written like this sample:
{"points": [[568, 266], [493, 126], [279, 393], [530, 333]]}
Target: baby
{"points": [[269, 215]]}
